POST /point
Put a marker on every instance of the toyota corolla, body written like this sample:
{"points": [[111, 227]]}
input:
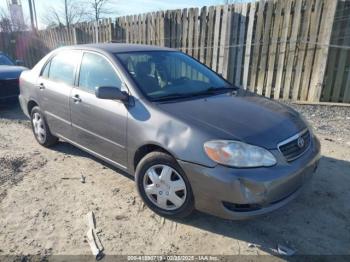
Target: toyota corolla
{"points": [[191, 139]]}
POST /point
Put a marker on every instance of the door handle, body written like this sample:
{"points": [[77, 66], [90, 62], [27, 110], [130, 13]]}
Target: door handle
{"points": [[41, 86], [76, 98]]}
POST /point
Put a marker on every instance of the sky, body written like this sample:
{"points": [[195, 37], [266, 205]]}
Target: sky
{"points": [[121, 7]]}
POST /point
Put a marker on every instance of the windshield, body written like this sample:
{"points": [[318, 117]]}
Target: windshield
{"points": [[4, 60], [166, 75]]}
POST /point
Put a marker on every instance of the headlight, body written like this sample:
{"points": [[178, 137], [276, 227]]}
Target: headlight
{"points": [[238, 154]]}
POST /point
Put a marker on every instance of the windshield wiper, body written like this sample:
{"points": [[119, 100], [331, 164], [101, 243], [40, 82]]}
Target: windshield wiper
{"points": [[214, 90], [223, 88], [209, 91], [170, 96]]}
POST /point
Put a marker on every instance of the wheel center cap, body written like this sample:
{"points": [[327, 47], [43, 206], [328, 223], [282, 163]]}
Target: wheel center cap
{"points": [[163, 183]]}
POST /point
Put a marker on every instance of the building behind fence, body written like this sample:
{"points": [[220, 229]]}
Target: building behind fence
{"points": [[294, 49]]}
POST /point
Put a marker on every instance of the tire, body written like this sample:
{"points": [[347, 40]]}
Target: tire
{"points": [[40, 128], [172, 185]]}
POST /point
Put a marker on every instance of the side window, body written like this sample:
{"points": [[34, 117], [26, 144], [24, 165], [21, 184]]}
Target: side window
{"points": [[45, 72], [97, 71], [63, 66]]}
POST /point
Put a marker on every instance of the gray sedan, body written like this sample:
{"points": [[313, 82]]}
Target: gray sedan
{"points": [[192, 140]]}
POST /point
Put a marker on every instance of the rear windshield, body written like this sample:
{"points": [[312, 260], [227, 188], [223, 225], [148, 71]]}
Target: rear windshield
{"points": [[167, 74]]}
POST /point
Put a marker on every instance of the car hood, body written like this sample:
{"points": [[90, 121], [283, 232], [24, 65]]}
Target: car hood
{"points": [[10, 72], [240, 115]]}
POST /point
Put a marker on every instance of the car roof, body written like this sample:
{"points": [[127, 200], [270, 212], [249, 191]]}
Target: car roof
{"points": [[119, 48]]}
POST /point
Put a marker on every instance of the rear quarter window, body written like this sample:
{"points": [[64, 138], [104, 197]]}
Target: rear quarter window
{"points": [[45, 71], [62, 67]]}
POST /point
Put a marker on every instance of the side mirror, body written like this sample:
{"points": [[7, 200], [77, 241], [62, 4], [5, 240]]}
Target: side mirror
{"points": [[19, 62], [112, 93]]}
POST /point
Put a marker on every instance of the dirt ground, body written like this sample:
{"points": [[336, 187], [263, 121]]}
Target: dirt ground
{"points": [[43, 202]]}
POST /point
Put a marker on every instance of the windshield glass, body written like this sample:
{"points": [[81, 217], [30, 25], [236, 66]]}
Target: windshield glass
{"points": [[166, 75], [4, 60]]}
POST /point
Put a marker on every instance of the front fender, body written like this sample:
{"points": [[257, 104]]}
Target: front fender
{"points": [[150, 126]]}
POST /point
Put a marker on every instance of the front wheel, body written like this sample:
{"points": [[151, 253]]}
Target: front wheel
{"points": [[41, 129], [163, 186]]}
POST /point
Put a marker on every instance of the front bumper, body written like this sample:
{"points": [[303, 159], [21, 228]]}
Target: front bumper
{"points": [[235, 193]]}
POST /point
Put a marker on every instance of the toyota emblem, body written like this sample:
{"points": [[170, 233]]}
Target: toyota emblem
{"points": [[301, 142]]}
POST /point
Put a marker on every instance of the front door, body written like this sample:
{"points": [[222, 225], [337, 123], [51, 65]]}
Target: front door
{"points": [[99, 125], [56, 83]]}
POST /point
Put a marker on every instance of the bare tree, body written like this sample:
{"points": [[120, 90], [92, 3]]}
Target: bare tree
{"points": [[68, 12], [5, 21], [7, 24], [100, 8]]}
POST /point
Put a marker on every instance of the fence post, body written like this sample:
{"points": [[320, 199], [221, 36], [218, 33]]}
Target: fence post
{"points": [[75, 36], [96, 32], [321, 55], [248, 47]]}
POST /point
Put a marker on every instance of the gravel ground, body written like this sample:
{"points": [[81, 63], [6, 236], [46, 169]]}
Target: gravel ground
{"points": [[43, 203], [332, 122]]}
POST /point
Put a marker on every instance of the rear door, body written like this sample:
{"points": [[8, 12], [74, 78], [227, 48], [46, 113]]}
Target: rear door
{"points": [[99, 125], [55, 84]]}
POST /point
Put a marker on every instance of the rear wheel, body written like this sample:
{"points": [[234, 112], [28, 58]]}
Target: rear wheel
{"points": [[41, 129], [163, 186]]}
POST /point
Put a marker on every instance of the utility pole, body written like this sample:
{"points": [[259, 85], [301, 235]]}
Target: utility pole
{"points": [[31, 14], [66, 13], [35, 16]]}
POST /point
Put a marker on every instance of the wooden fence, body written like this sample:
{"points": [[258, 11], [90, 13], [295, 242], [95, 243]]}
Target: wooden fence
{"points": [[26, 46], [337, 78], [276, 48]]}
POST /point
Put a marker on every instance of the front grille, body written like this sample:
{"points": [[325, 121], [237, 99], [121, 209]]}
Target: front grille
{"points": [[9, 87], [295, 146]]}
